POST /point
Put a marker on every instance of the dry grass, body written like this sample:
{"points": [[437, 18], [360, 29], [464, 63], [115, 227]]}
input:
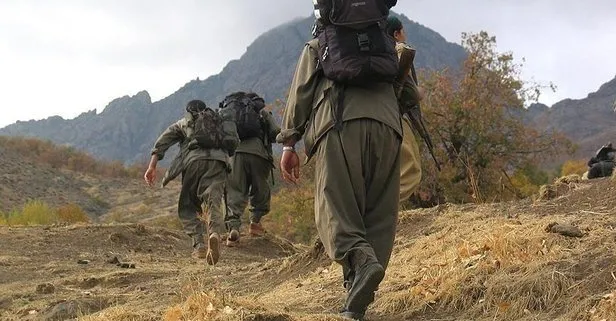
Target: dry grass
{"points": [[37, 212], [560, 187], [484, 262], [120, 313], [72, 213], [605, 309]]}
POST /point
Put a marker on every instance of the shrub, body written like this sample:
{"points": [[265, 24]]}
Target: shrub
{"points": [[574, 167], [72, 213], [37, 212], [33, 213]]}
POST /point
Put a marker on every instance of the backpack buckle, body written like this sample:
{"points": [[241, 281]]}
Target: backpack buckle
{"points": [[364, 41]]}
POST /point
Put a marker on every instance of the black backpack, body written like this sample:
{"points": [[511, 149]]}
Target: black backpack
{"points": [[247, 107], [354, 47]]}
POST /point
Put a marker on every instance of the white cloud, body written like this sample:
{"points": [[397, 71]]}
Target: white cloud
{"points": [[67, 57]]}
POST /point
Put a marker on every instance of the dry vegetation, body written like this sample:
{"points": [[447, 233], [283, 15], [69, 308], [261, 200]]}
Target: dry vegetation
{"points": [[62, 157], [39, 213], [463, 262]]}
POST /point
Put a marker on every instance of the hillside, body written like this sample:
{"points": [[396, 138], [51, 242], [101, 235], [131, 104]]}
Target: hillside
{"points": [[35, 170], [589, 122], [127, 127], [451, 262]]}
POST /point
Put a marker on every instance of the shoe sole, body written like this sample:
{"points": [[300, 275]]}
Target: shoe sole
{"points": [[213, 252], [367, 284]]}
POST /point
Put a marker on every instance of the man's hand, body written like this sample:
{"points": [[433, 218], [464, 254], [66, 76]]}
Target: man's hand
{"points": [[289, 164], [150, 175]]}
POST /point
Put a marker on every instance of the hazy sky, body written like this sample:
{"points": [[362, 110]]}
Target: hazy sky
{"points": [[64, 57]]}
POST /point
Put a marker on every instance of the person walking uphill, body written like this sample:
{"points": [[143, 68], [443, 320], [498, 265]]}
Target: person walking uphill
{"points": [[409, 97], [206, 139], [252, 164], [351, 126]]}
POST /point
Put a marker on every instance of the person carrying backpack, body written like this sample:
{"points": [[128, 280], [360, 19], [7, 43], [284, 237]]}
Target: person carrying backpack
{"points": [[207, 139], [343, 104], [409, 96], [252, 164]]}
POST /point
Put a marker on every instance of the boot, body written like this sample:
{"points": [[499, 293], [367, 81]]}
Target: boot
{"points": [[368, 275], [256, 229], [233, 239], [213, 251]]}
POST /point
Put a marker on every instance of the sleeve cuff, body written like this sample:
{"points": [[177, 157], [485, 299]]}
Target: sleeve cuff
{"points": [[288, 134]]}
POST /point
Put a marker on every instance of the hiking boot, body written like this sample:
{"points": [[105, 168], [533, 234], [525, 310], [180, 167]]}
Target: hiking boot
{"points": [[256, 229], [199, 251], [213, 251], [368, 275], [233, 239]]}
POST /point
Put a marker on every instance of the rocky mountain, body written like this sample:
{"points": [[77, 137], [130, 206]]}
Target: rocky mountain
{"points": [[128, 126], [589, 122]]}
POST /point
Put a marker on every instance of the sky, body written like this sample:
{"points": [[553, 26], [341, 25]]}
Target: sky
{"points": [[65, 57]]}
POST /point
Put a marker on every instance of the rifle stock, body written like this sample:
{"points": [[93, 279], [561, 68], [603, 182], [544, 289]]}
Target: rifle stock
{"points": [[407, 56]]}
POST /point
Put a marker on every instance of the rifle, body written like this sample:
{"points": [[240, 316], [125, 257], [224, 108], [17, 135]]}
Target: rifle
{"points": [[407, 56]]}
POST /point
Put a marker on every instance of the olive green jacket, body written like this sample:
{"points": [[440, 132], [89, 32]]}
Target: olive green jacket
{"points": [[262, 147], [178, 133], [311, 107]]}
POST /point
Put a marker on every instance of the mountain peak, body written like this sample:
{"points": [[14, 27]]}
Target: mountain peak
{"points": [[129, 125]]}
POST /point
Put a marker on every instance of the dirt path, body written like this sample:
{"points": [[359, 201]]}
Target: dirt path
{"points": [[451, 262], [61, 272]]}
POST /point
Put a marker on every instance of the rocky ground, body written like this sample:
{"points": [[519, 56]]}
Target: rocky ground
{"points": [[548, 259]]}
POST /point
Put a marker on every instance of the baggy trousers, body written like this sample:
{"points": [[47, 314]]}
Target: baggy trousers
{"points": [[249, 180], [410, 162], [357, 190], [203, 183]]}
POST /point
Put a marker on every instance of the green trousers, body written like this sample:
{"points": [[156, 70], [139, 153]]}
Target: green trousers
{"points": [[203, 183], [357, 191], [249, 181]]}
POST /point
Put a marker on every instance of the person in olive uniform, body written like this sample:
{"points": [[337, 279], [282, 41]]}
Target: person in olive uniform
{"points": [[203, 172], [250, 177], [410, 158], [357, 173]]}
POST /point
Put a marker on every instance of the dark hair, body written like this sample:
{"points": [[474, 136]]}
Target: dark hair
{"points": [[393, 24], [195, 106]]}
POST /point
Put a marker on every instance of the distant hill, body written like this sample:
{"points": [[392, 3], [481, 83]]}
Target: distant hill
{"points": [[589, 122], [127, 127]]}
